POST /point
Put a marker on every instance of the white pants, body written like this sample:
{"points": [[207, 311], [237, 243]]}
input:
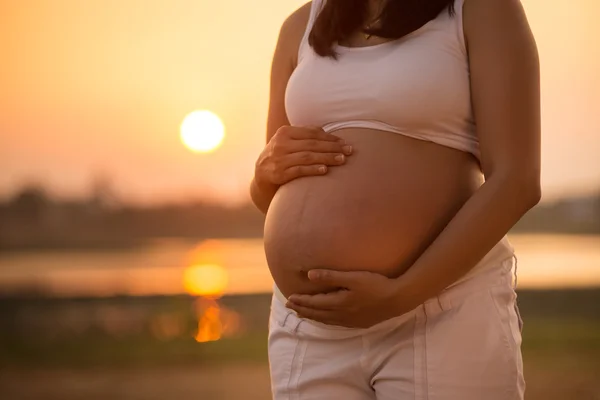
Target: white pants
{"points": [[461, 345]]}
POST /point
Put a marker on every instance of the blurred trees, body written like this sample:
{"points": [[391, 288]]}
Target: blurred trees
{"points": [[30, 203], [32, 219]]}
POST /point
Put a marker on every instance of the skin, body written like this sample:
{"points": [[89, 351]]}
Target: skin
{"points": [[339, 218], [277, 163], [377, 212], [504, 67], [505, 95], [280, 162]]}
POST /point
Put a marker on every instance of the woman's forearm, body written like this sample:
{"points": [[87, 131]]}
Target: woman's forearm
{"points": [[482, 221], [262, 194]]}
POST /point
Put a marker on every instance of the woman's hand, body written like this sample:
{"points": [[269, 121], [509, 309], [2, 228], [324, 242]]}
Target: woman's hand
{"points": [[299, 151], [363, 300]]}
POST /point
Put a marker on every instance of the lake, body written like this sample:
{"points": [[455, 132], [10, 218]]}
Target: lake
{"points": [[236, 266]]}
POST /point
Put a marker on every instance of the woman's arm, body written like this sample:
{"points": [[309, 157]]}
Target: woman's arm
{"points": [[282, 66], [291, 152], [505, 90]]}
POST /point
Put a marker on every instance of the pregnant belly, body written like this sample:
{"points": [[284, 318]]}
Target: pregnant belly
{"points": [[377, 213]]}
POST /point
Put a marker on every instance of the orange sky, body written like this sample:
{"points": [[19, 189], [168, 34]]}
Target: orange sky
{"points": [[102, 86]]}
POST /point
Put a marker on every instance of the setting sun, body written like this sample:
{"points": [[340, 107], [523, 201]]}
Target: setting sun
{"points": [[202, 131], [208, 280]]}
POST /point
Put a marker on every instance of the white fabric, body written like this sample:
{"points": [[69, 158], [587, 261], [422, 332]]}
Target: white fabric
{"points": [[417, 86], [461, 345]]}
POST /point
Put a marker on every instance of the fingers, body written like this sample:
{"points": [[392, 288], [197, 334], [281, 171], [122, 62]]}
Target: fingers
{"points": [[323, 301], [295, 152], [310, 132], [310, 158], [344, 279], [298, 171], [319, 146], [308, 163]]}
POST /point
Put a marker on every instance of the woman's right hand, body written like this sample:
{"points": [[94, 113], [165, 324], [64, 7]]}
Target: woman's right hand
{"points": [[299, 151]]}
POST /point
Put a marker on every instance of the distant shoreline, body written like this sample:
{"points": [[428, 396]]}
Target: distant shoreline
{"points": [[133, 244], [32, 220], [593, 292]]}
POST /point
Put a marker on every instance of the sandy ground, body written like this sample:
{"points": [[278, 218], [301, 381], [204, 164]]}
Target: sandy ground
{"points": [[557, 380], [244, 382]]}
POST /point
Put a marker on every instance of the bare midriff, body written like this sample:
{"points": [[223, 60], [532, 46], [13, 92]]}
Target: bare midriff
{"points": [[378, 212]]}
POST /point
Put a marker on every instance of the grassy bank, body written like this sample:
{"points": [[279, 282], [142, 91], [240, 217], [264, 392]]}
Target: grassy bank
{"points": [[55, 342]]}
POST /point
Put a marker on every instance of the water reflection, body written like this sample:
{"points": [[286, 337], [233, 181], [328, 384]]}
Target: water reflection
{"points": [[210, 327], [545, 261], [215, 321], [208, 280]]}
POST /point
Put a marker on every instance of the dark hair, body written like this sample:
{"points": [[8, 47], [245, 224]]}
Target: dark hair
{"points": [[340, 18]]}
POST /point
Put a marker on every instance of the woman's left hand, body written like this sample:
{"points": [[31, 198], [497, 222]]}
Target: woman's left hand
{"points": [[363, 300]]}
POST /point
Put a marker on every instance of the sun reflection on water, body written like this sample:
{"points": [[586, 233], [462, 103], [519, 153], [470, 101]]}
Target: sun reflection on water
{"points": [[210, 326], [207, 279]]}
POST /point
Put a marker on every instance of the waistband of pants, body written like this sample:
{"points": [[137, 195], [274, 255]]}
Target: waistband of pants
{"points": [[500, 274]]}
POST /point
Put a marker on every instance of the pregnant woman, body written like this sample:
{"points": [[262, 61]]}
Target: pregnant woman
{"points": [[403, 142]]}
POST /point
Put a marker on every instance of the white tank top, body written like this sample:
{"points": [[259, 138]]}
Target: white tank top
{"points": [[416, 86]]}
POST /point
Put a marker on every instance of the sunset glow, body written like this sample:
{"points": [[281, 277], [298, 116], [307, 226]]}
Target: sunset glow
{"points": [[202, 131], [207, 280], [96, 85], [137, 259], [216, 321], [210, 327]]}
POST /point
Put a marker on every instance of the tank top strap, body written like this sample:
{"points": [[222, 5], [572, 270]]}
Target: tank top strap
{"points": [[458, 10], [315, 8]]}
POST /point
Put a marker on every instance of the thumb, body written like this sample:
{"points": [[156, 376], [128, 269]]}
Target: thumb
{"points": [[345, 279]]}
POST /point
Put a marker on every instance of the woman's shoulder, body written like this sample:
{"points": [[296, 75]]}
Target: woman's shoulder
{"points": [[497, 23], [292, 32], [507, 13], [295, 23]]}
